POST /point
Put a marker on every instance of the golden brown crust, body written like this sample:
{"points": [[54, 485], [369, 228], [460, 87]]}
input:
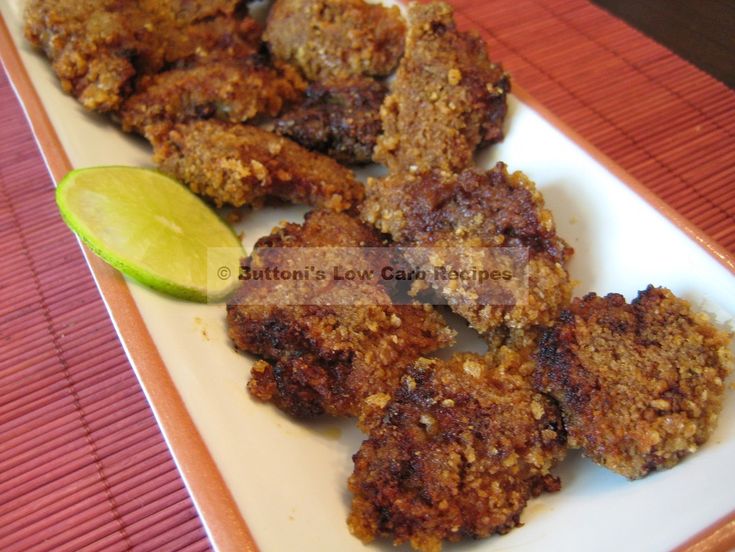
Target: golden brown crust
{"points": [[640, 385], [327, 358], [340, 118], [98, 47], [232, 90], [235, 164], [323, 229], [336, 38], [456, 452], [447, 97], [475, 209]]}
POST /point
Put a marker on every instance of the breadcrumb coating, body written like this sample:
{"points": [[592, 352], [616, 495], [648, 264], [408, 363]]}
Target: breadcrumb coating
{"points": [[336, 38], [475, 209], [235, 164], [98, 47], [456, 452], [447, 97], [340, 118], [327, 358], [230, 90], [640, 385]]}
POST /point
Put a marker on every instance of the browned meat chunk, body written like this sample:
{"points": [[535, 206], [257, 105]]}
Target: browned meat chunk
{"points": [[477, 209], [233, 90], [456, 452], [336, 38], [328, 358], [237, 165], [447, 98], [98, 46], [339, 118], [640, 385]]}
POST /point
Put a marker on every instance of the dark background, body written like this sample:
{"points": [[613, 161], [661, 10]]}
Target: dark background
{"points": [[700, 31]]}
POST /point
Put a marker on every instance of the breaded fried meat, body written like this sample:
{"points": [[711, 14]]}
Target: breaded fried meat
{"points": [[328, 358], [456, 452], [235, 164], [476, 209], [447, 97], [229, 90], [340, 118], [99, 47], [640, 385], [336, 38]]}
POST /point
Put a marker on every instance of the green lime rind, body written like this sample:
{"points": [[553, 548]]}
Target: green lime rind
{"points": [[152, 229]]}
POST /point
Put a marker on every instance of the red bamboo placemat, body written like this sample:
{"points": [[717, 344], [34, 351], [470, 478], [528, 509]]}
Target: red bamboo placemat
{"points": [[82, 463]]}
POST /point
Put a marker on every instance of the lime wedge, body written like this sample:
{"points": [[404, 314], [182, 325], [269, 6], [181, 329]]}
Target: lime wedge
{"points": [[152, 229]]}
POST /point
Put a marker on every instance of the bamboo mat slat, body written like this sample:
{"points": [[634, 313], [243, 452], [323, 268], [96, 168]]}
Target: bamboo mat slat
{"points": [[667, 123], [82, 463]]}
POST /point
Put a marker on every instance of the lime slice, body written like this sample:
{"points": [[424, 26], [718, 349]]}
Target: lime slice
{"points": [[152, 229]]}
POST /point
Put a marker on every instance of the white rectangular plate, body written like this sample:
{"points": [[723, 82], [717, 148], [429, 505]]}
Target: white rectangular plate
{"points": [[288, 479]]}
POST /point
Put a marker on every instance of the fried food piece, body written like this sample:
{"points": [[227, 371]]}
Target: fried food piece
{"points": [[86, 41], [456, 452], [237, 165], [328, 358], [339, 118], [640, 385], [234, 91], [447, 98], [336, 38], [221, 38], [97, 47], [475, 209]]}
